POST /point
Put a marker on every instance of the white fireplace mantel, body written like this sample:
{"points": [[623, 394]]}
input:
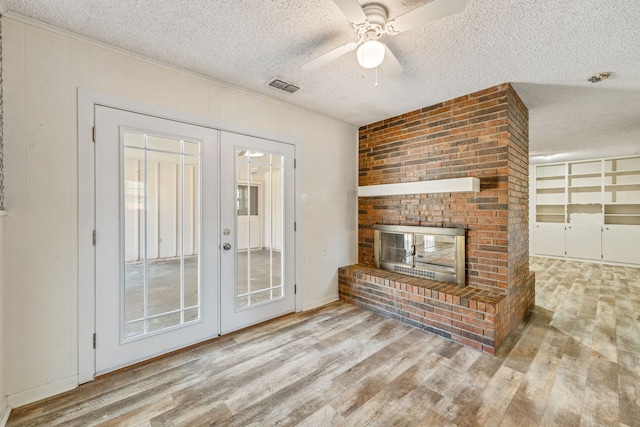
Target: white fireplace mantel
{"points": [[452, 185]]}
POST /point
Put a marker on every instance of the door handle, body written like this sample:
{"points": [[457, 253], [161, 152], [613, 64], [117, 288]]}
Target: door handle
{"points": [[226, 246]]}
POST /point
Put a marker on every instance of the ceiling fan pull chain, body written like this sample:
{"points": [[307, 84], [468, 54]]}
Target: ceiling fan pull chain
{"points": [[376, 85]]}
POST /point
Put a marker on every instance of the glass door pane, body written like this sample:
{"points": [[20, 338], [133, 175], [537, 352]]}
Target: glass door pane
{"points": [[435, 251], [259, 218], [396, 248], [161, 225]]}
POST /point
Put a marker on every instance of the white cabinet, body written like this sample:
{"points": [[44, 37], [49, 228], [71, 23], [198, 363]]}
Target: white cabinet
{"points": [[583, 241], [550, 239], [588, 209], [621, 243]]}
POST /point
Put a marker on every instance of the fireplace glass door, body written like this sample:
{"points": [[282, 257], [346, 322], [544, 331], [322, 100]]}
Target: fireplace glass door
{"points": [[435, 251], [429, 252], [397, 248]]}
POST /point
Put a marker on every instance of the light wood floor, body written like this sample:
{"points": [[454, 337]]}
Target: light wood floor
{"points": [[576, 362]]}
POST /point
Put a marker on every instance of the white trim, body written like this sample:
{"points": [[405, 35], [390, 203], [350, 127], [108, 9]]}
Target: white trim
{"points": [[86, 250], [87, 100], [297, 189], [35, 394], [5, 409], [5, 412], [97, 98], [452, 185], [320, 303]]}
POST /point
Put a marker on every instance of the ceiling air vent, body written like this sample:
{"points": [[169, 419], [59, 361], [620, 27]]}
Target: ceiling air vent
{"points": [[282, 85]]}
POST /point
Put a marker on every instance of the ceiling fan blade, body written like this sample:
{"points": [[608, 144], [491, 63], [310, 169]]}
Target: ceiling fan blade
{"points": [[390, 66], [329, 56], [352, 10], [429, 12]]}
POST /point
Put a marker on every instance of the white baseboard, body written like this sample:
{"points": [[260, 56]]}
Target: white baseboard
{"points": [[34, 394], [320, 303], [5, 411]]}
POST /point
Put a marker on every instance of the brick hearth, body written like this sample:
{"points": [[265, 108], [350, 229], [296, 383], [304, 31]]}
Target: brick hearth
{"points": [[482, 135]]}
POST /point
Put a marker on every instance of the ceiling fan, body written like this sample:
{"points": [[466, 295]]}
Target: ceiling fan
{"points": [[370, 23]]}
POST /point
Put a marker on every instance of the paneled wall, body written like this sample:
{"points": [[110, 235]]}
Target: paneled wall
{"points": [[1, 128], [4, 409], [43, 68]]}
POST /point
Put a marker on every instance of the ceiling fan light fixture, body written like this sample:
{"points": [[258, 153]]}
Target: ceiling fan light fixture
{"points": [[371, 54]]}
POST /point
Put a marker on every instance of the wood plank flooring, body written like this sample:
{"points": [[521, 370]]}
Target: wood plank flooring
{"points": [[575, 362]]}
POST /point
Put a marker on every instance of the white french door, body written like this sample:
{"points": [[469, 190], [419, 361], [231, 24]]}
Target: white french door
{"points": [[156, 220], [257, 281], [194, 234]]}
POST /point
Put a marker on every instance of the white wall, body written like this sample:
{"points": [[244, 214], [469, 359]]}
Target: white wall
{"points": [[42, 70], [331, 206], [532, 209], [4, 408]]}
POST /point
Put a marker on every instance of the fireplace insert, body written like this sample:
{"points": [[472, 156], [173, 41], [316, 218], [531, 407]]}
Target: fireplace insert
{"points": [[430, 252]]}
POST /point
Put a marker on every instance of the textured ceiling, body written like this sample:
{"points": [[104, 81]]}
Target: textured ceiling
{"points": [[546, 48]]}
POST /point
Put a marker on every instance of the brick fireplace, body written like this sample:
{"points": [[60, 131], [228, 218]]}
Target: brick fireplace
{"points": [[482, 135]]}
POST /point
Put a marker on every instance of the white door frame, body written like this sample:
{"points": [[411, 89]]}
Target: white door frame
{"points": [[87, 100]]}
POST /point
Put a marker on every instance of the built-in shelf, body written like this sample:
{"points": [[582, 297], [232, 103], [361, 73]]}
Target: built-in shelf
{"points": [[589, 209], [622, 220], [452, 185], [550, 218], [622, 173], [621, 208], [585, 175], [585, 188], [551, 177], [623, 186], [550, 190], [550, 208]]}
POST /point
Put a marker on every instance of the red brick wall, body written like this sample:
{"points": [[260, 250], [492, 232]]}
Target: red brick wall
{"points": [[484, 135]]}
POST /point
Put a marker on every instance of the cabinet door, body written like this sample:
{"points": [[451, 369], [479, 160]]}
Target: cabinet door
{"points": [[584, 241], [621, 243], [550, 239]]}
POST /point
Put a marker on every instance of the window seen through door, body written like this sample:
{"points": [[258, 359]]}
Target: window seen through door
{"points": [[247, 200]]}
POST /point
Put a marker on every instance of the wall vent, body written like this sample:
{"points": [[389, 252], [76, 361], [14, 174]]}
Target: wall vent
{"points": [[282, 85]]}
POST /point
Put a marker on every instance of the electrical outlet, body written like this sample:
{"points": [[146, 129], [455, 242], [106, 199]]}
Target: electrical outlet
{"points": [[303, 257], [324, 251]]}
